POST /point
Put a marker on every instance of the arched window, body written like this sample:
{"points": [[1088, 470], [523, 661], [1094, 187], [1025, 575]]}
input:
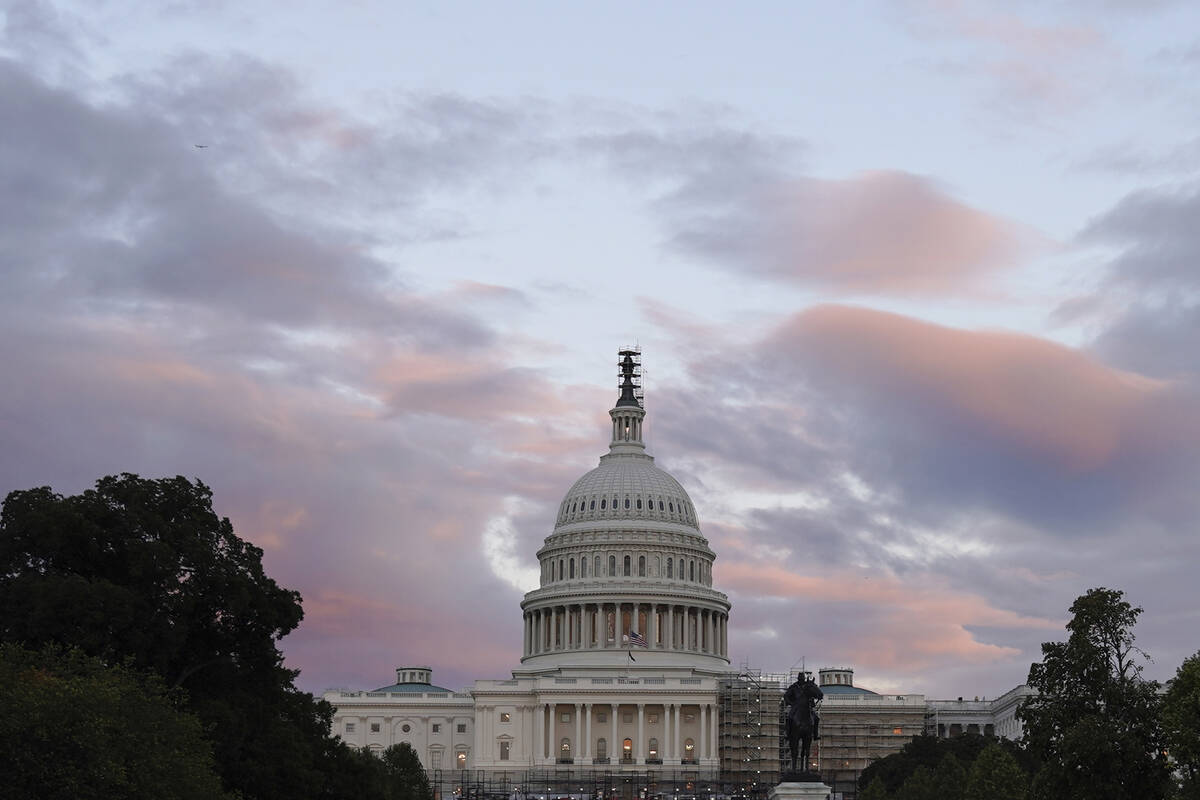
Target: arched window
{"points": [[583, 567], [626, 566], [692, 571], [612, 566], [670, 567], [627, 750], [564, 751], [641, 566], [596, 567], [689, 751], [460, 761], [560, 569], [602, 748], [572, 568], [652, 750]]}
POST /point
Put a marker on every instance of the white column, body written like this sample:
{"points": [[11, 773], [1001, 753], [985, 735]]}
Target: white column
{"points": [[640, 744], [666, 744], [714, 737], [577, 751], [652, 622], [678, 725], [585, 749], [614, 747], [539, 737]]}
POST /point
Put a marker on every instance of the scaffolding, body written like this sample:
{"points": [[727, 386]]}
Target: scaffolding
{"points": [[751, 733]]}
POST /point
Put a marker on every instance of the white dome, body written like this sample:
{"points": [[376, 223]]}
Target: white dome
{"points": [[626, 487]]}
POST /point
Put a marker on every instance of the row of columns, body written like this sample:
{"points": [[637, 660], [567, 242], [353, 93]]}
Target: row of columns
{"points": [[671, 748], [586, 626]]}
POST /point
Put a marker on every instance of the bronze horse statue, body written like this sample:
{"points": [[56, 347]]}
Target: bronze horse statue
{"points": [[802, 720]]}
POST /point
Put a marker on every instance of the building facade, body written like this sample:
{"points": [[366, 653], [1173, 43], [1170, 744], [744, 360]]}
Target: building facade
{"points": [[624, 687]]}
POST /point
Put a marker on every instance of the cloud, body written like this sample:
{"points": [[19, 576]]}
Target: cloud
{"points": [[878, 232]]}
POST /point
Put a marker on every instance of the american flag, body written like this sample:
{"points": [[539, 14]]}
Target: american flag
{"points": [[636, 638]]}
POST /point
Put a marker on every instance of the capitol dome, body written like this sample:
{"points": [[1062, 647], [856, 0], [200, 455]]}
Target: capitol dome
{"points": [[626, 574]]}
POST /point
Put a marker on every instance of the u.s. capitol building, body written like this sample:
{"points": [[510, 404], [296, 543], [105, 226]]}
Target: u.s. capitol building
{"points": [[625, 679]]}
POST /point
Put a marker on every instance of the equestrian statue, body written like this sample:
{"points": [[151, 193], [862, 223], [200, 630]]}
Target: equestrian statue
{"points": [[803, 721]]}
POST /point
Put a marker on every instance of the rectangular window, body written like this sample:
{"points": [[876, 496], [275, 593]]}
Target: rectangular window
{"points": [[565, 716], [627, 718], [601, 716], [461, 727], [505, 716], [652, 718], [437, 728], [349, 727], [374, 727], [504, 751], [897, 731]]}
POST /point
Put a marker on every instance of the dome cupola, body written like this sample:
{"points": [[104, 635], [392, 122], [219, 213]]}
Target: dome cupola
{"points": [[626, 562]]}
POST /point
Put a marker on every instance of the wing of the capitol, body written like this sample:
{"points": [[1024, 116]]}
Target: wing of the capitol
{"points": [[625, 688]]}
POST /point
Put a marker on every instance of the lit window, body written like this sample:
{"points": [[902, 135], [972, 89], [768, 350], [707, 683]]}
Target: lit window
{"points": [[627, 748], [461, 760], [689, 747], [653, 750], [504, 745], [898, 731], [564, 749], [505, 716]]}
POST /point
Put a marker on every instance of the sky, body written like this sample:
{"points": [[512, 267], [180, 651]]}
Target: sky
{"points": [[916, 283]]}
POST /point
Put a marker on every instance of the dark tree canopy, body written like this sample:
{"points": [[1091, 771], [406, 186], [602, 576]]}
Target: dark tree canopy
{"points": [[143, 572], [934, 754], [1094, 723], [1181, 725], [74, 727]]}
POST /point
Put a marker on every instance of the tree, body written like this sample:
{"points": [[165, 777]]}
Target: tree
{"points": [[950, 778], [875, 791], [406, 778], [144, 573], [919, 785], [1181, 725], [73, 727], [932, 752], [1094, 722], [996, 775]]}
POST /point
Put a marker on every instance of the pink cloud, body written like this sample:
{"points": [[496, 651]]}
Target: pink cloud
{"points": [[911, 624], [884, 231], [1039, 395]]}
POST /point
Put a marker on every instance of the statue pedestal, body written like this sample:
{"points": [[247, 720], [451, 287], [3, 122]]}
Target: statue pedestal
{"points": [[800, 786]]}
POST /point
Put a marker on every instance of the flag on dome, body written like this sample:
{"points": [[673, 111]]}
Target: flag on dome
{"points": [[636, 638]]}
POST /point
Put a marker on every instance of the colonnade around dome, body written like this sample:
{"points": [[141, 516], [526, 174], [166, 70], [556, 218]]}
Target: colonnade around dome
{"points": [[598, 626]]}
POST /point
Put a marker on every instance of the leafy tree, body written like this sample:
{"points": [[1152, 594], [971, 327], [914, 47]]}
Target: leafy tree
{"points": [[1181, 725], [950, 778], [996, 775], [875, 791], [73, 727], [920, 785], [931, 752], [1094, 722], [143, 572], [406, 778]]}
